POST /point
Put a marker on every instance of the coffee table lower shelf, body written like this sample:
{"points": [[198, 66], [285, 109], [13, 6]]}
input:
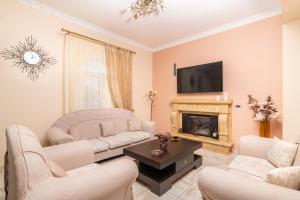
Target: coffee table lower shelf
{"points": [[161, 181]]}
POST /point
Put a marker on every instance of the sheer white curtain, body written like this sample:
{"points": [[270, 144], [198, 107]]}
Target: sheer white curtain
{"points": [[85, 75]]}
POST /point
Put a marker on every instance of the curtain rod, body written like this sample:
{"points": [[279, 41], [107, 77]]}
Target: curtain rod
{"points": [[92, 39]]}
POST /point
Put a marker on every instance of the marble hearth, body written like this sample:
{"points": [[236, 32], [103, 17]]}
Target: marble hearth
{"points": [[222, 109]]}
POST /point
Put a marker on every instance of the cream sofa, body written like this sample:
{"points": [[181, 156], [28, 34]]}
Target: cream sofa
{"points": [[29, 176], [244, 178], [85, 125]]}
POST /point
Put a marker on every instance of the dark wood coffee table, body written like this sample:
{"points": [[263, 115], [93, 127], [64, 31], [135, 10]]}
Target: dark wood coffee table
{"points": [[160, 172]]}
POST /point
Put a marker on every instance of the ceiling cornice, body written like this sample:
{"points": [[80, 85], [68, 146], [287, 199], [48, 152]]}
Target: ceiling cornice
{"points": [[220, 29], [99, 29], [42, 7]]}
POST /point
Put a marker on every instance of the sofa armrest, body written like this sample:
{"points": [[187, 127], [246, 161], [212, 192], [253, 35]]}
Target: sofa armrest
{"points": [[71, 155], [219, 184], [148, 126], [254, 146], [109, 181], [58, 136]]}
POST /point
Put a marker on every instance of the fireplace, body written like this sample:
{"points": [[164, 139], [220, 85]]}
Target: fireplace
{"points": [[198, 124], [219, 114]]}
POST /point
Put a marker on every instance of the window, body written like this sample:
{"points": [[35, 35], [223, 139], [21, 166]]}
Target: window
{"points": [[85, 75]]}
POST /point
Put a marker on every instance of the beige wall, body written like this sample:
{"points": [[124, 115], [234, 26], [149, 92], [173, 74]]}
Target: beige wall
{"points": [[291, 71], [37, 105]]}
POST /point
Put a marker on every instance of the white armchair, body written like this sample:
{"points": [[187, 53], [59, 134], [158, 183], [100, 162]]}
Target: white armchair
{"points": [[220, 184], [29, 175]]}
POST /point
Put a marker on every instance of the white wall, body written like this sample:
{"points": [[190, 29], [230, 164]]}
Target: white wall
{"points": [[291, 80], [37, 105]]}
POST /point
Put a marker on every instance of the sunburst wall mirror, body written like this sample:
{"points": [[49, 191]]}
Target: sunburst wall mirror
{"points": [[30, 58]]}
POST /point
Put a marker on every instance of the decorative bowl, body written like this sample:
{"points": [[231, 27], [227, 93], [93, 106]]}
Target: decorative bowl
{"points": [[156, 152]]}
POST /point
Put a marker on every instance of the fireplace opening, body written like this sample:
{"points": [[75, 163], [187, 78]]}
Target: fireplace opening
{"points": [[197, 124]]}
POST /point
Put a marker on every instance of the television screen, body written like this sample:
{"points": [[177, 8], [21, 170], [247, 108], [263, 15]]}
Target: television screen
{"points": [[200, 78]]}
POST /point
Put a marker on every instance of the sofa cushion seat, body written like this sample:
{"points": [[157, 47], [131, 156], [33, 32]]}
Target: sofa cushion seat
{"points": [[250, 165], [116, 141], [136, 136], [98, 145]]}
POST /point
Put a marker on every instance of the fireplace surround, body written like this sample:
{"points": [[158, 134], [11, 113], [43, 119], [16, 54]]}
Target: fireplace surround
{"points": [[220, 110]]}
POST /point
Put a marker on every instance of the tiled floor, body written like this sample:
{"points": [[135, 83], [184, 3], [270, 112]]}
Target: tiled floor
{"points": [[186, 187], [183, 189]]}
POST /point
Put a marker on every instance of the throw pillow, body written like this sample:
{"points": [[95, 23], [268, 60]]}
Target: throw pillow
{"points": [[134, 125], [73, 131], [58, 136], [287, 177], [297, 158], [56, 170], [282, 153], [107, 128]]}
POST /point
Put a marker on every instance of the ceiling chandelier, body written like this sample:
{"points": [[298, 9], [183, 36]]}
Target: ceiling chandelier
{"points": [[142, 8]]}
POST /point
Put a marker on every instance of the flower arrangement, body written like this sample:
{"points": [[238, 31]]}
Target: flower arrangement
{"points": [[163, 137], [150, 96], [263, 111]]}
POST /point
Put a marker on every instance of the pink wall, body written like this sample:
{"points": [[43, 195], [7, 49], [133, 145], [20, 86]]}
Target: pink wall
{"points": [[252, 64]]}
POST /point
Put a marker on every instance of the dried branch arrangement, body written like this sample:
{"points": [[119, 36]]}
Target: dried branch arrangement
{"points": [[150, 96], [263, 111]]}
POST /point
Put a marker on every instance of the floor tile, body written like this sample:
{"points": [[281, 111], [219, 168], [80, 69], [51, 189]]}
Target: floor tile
{"points": [[179, 187], [191, 194]]}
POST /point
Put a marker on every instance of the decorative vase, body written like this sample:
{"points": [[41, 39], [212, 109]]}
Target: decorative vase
{"points": [[163, 139], [163, 146], [264, 128]]}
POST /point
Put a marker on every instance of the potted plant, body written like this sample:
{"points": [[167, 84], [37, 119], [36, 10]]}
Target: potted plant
{"points": [[263, 112]]}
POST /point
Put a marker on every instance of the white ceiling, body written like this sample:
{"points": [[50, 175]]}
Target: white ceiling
{"points": [[182, 21]]}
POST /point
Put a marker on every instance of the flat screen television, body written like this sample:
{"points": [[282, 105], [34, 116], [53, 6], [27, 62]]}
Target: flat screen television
{"points": [[200, 78]]}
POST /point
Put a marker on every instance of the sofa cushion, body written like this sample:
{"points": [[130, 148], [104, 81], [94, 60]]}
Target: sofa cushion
{"points": [[74, 132], [98, 145], [136, 136], [116, 141], [286, 177], [120, 125], [88, 129], [255, 166], [107, 128], [58, 136], [134, 125], [282, 153]]}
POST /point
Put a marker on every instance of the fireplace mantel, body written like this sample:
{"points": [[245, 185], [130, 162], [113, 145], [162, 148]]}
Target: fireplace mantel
{"points": [[223, 109]]}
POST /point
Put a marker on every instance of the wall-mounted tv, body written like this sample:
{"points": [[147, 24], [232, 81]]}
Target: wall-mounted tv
{"points": [[200, 78]]}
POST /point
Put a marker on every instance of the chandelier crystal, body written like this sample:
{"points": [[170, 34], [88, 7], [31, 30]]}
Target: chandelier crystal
{"points": [[142, 8]]}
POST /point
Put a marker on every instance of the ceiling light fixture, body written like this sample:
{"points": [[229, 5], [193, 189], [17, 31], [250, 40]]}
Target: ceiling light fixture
{"points": [[142, 8]]}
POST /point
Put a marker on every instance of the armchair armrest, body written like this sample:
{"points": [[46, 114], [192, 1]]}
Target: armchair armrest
{"points": [[71, 155], [254, 146], [148, 126], [109, 181], [218, 184], [58, 136]]}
